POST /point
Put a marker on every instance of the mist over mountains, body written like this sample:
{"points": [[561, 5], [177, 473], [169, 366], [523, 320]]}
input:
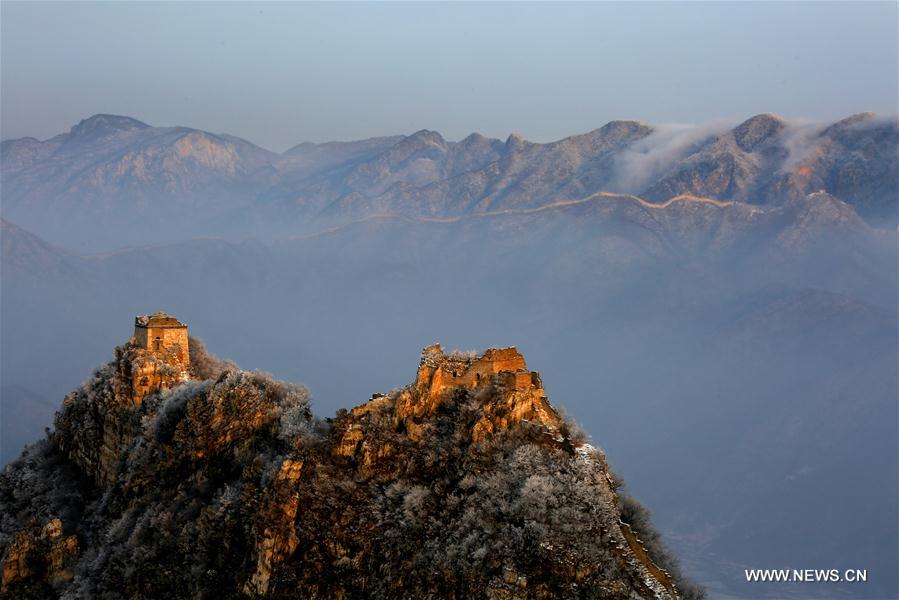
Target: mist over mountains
{"points": [[716, 305]]}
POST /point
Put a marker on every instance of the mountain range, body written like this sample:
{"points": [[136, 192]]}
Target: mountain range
{"points": [[114, 180]]}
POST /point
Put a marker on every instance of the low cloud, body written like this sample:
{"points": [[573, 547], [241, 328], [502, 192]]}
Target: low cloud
{"points": [[652, 156], [800, 138]]}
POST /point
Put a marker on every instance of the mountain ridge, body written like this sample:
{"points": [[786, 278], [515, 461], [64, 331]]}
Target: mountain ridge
{"points": [[110, 173]]}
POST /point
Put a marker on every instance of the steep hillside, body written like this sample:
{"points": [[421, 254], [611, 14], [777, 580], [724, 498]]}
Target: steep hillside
{"points": [[219, 483], [27, 258]]}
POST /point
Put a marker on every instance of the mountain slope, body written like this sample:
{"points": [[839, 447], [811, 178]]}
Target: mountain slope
{"points": [[27, 258]]}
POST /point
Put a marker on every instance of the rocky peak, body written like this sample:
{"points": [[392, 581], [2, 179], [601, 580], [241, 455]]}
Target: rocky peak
{"points": [[515, 142], [423, 144], [507, 392], [205, 151], [101, 125], [421, 140], [496, 386], [624, 129], [843, 129], [849, 121], [102, 418], [474, 139], [755, 130]]}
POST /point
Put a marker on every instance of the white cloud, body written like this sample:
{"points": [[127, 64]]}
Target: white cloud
{"points": [[800, 139], [651, 157]]}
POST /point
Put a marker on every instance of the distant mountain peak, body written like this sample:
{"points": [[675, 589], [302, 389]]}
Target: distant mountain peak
{"points": [[352, 148], [515, 140], [765, 117], [473, 138], [857, 118], [847, 123], [628, 125], [755, 130], [616, 132], [102, 124], [424, 140], [426, 135]]}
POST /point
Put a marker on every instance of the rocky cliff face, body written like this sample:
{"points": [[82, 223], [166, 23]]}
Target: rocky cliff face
{"points": [[466, 483], [104, 416]]}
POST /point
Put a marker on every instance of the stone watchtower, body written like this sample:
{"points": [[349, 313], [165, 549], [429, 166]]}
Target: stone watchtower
{"points": [[163, 335], [166, 358]]}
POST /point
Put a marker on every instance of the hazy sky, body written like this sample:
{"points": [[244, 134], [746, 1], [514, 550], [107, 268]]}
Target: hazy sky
{"points": [[281, 73]]}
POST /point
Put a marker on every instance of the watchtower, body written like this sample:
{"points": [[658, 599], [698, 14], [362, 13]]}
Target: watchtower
{"points": [[163, 335], [165, 360]]}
